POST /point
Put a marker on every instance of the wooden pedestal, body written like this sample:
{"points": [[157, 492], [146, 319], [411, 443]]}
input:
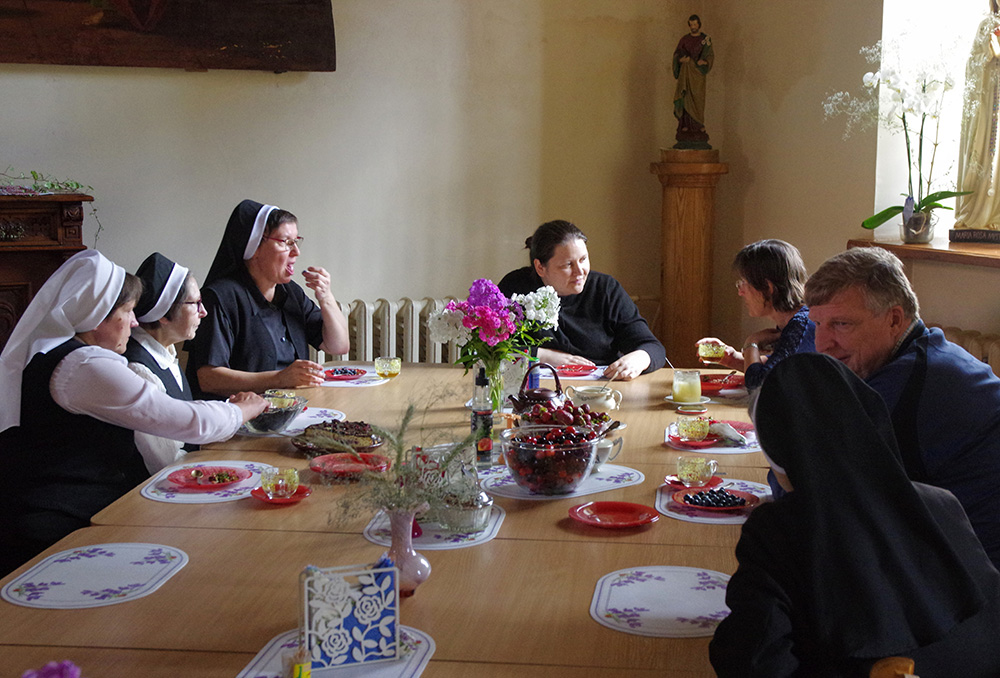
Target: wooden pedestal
{"points": [[37, 234], [688, 178]]}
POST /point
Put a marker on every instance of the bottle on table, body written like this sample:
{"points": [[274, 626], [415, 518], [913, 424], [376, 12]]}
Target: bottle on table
{"points": [[482, 420]]}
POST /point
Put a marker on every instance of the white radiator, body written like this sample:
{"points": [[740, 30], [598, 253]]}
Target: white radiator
{"points": [[985, 347], [394, 328]]}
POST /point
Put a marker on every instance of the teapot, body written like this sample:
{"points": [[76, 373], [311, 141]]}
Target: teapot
{"points": [[528, 398], [599, 398]]}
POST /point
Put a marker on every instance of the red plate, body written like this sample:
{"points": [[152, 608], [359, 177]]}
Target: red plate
{"points": [[346, 465], [301, 493], [613, 514], [710, 440], [752, 500], [713, 383], [676, 484], [575, 370], [344, 373], [184, 478]]}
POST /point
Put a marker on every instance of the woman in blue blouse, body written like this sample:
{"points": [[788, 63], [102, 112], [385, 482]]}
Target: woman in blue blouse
{"points": [[772, 284]]}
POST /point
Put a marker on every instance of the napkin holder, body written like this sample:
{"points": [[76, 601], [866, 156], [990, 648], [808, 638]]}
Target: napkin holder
{"points": [[350, 614]]}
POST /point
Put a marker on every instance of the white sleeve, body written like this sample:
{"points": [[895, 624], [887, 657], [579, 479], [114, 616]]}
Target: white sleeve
{"points": [[97, 382], [157, 452]]}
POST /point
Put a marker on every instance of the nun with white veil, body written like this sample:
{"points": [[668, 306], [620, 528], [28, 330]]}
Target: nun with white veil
{"points": [[69, 406]]}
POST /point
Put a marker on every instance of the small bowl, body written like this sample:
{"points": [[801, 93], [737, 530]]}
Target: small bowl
{"points": [[543, 467], [280, 413], [466, 519]]}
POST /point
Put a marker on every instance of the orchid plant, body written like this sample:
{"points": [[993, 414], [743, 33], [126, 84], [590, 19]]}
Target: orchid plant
{"points": [[912, 103], [491, 328]]}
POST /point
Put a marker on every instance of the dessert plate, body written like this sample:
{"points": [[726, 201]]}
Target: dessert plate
{"points": [[613, 514], [344, 373], [201, 478], [752, 500], [346, 465], [301, 493], [710, 440]]}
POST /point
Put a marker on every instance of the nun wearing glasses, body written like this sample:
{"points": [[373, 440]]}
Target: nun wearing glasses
{"points": [[259, 322], [168, 311]]}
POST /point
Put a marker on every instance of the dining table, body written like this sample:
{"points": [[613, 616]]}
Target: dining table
{"points": [[518, 603]]}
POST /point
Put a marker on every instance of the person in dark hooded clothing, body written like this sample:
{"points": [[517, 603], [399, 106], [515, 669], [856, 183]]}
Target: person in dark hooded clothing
{"points": [[856, 562]]}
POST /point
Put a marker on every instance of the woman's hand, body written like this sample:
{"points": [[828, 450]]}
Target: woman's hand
{"points": [[629, 366], [318, 280], [250, 404], [732, 359], [557, 358], [300, 374]]}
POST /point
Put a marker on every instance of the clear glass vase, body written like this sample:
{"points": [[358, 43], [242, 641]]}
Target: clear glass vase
{"points": [[919, 228]]}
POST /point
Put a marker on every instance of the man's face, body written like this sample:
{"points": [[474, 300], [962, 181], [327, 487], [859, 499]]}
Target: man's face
{"points": [[848, 331], [694, 27]]}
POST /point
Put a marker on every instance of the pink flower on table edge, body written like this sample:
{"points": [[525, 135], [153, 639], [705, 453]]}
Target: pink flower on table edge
{"points": [[63, 669]]}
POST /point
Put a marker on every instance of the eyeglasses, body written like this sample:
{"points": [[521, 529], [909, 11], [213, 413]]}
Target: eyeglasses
{"points": [[740, 284], [197, 303], [286, 243]]}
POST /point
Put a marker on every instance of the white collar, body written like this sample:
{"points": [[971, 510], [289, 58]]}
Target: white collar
{"points": [[165, 356]]}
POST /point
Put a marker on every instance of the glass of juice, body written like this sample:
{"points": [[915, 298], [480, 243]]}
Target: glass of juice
{"points": [[386, 367], [687, 386], [279, 482]]}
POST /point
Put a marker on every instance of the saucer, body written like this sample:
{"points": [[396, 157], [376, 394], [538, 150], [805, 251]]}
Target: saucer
{"points": [[702, 400], [301, 493]]}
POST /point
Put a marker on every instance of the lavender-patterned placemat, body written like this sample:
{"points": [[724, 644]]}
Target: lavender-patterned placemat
{"points": [[498, 481], [434, 537], [662, 601], [158, 488], [418, 647], [369, 378], [308, 417], [94, 576], [724, 447], [670, 508]]}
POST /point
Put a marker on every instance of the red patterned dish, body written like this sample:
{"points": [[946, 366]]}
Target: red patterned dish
{"points": [[346, 465], [344, 373], [613, 514], [190, 479], [575, 370], [752, 500], [301, 493], [713, 383], [675, 483], [710, 440], [742, 427]]}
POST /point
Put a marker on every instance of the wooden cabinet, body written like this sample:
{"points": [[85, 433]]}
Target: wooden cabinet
{"points": [[37, 234]]}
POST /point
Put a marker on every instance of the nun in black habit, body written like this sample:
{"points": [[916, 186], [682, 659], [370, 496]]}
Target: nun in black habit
{"points": [[856, 562], [168, 311], [260, 323]]}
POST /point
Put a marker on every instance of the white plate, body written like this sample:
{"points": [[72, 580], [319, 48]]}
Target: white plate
{"points": [[703, 399]]}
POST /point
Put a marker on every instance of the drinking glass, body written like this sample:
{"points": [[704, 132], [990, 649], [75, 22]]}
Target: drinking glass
{"points": [[695, 471], [279, 482], [710, 351], [386, 367], [687, 386]]}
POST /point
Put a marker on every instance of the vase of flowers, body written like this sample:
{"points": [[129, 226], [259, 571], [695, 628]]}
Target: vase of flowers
{"points": [[491, 328], [912, 96]]}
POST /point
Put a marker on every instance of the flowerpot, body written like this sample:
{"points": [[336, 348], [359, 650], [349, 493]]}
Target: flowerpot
{"points": [[919, 228], [414, 569]]}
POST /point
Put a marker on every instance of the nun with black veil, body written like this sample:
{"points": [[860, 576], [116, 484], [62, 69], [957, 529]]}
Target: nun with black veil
{"points": [[69, 407], [168, 311], [856, 562], [260, 323]]}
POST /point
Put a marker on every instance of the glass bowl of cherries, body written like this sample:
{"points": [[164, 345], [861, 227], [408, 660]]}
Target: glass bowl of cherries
{"points": [[550, 459]]}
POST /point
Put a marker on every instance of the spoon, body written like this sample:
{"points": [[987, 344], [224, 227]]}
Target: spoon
{"points": [[604, 387]]}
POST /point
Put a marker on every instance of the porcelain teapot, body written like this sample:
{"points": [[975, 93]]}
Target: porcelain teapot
{"points": [[528, 398]]}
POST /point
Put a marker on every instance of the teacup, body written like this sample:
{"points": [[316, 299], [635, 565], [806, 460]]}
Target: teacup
{"points": [[387, 367], [693, 428], [599, 398], [607, 450], [711, 351], [695, 471], [279, 483]]}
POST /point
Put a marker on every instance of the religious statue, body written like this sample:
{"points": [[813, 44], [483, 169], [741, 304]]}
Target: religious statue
{"points": [[978, 159], [692, 61]]}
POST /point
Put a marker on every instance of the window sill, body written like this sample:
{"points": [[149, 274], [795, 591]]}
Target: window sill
{"points": [[967, 253]]}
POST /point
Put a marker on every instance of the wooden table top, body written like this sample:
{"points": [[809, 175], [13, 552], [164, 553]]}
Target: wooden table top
{"points": [[516, 604]]}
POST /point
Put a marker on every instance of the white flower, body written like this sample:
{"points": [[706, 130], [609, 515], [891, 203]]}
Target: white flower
{"points": [[540, 306], [447, 326], [870, 79]]}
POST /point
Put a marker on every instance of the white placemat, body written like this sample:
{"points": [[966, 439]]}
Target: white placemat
{"points": [[690, 514], [308, 417], [434, 537], [723, 447], [158, 488], [662, 601], [369, 378], [95, 576], [418, 647], [498, 482]]}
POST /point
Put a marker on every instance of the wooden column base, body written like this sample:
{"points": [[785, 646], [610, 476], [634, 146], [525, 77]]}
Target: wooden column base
{"points": [[688, 178]]}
